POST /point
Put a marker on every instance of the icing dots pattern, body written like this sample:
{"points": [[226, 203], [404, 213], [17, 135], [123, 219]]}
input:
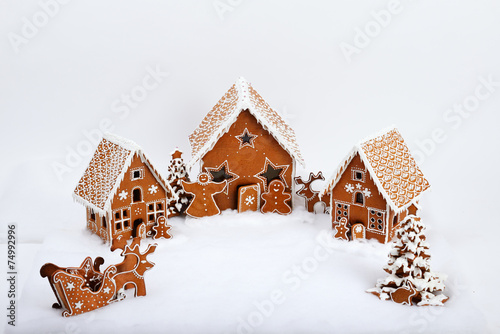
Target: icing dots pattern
{"points": [[395, 168], [217, 116], [102, 173]]}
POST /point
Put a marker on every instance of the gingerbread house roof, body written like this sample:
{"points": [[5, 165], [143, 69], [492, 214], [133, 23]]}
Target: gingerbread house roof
{"points": [[106, 170], [241, 96], [391, 166]]}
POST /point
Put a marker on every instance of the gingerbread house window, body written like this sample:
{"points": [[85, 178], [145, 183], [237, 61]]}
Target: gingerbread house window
{"points": [[136, 195], [272, 172], [341, 210], [358, 175], [103, 222], [376, 220], [359, 198], [122, 219], [137, 174], [246, 138], [92, 215], [220, 175], [395, 221], [155, 210]]}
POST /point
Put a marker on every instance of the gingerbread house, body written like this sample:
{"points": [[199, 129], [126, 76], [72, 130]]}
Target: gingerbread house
{"points": [[122, 192], [375, 187], [243, 141]]}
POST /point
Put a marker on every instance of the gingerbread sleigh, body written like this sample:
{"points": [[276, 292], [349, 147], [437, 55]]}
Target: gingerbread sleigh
{"points": [[86, 288]]}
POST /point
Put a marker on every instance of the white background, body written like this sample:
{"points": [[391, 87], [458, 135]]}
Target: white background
{"points": [[69, 74]]}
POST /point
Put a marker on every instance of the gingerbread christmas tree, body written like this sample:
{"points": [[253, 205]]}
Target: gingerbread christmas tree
{"points": [[177, 173], [410, 279]]}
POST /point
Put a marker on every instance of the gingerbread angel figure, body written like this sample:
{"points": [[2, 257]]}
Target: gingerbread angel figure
{"points": [[275, 199], [203, 203]]}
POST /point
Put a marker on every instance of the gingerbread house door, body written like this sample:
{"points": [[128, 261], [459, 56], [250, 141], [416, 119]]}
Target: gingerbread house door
{"points": [[139, 229], [358, 231], [138, 212], [249, 198]]}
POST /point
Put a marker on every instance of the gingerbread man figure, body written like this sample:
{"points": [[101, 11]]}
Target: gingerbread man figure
{"points": [[203, 203], [162, 229], [275, 199], [341, 229]]}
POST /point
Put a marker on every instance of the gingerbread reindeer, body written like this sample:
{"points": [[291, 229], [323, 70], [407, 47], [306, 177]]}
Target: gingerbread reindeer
{"points": [[311, 196], [130, 272]]}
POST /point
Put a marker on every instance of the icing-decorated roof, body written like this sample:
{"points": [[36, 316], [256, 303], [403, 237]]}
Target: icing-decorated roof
{"points": [[239, 97], [106, 170], [391, 166]]}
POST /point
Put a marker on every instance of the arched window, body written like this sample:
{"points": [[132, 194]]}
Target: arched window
{"points": [[136, 195], [360, 199]]}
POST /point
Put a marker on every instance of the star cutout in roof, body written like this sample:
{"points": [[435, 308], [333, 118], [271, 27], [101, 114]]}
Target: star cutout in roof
{"points": [[272, 172], [221, 174], [246, 138]]}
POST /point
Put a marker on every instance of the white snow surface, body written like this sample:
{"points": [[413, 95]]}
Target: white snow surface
{"points": [[213, 274], [150, 71]]}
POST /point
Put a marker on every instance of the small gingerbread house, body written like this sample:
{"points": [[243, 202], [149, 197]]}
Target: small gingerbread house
{"points": [[376, 186], [122, 192], [243, 141]]}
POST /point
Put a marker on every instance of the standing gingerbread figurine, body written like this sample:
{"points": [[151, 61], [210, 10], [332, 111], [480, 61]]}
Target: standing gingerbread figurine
{"points": [[203, 203], [276, 199]]}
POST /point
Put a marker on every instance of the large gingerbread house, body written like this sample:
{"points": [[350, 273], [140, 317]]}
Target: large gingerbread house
{"points": [[122, 192], [375, 187], [245, 142]]}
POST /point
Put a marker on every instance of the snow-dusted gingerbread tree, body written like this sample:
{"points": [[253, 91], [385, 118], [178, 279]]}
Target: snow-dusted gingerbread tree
{"points": [[410, 279], [177, 172]]}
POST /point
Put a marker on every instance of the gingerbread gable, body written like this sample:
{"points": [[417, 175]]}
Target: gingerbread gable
{"points": [[241, 96], [106, 170], [392, 168]]}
